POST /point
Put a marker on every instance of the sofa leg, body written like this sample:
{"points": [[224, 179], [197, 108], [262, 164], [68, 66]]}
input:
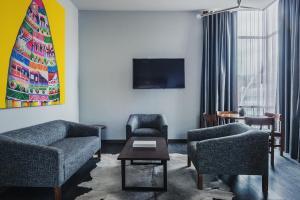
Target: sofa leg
{"points": [[188, 161], [265, 184], [200, 181], [57, 193]]}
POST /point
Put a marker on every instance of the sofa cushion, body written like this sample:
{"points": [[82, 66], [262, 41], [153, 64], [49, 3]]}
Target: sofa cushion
{"points": [[42, 134], [151, 132], [77, 151]]}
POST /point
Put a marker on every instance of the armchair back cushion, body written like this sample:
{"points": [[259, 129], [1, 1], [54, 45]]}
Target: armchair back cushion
{"points": [[149, 121]]}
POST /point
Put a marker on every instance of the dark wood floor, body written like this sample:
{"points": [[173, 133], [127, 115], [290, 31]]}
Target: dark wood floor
{"points": [[284, 181]]}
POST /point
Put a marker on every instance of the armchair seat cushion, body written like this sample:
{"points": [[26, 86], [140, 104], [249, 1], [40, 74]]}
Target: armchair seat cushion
{"points": [[76, 151], [151, 132]]}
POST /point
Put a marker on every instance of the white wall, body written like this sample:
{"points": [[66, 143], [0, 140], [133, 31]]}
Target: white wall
{"points": [[109, 40], [21, 117]]}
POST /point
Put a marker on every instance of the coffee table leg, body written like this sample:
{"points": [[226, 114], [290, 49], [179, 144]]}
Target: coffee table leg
{"points": [[123, 173], [165, 175]]}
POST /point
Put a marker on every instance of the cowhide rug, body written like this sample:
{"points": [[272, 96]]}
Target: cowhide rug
{"points": [[106, 182]]}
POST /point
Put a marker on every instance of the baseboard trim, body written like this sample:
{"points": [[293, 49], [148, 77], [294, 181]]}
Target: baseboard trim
{"points": [[114, 141], [174, 141], [171, 141]]}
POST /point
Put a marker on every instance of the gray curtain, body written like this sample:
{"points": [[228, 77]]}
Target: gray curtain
{"points": [[219, 58], [289, 72]]}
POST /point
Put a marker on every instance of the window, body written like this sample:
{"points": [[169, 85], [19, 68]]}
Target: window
{"points": [[258, 60]]}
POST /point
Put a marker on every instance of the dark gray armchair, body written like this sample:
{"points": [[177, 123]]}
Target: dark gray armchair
{"points": [[232, 149], [147, 125]]}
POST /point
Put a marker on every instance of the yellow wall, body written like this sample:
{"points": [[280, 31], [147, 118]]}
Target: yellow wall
{"points": [[12, 14]]}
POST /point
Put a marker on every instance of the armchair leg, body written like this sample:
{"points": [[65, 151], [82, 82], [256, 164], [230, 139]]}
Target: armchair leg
{"points": [[265, 184], [57, 193], [188, 161], [200, 181]]}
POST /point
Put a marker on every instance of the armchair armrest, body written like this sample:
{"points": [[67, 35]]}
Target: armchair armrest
{"points": [[163, 121], [24, 164], [132, 124], [81, 130], [245, 153], [164, 127], [216, 131]]}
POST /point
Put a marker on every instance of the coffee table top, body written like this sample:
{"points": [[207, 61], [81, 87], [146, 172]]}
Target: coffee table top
{"points": [[159, 153]]}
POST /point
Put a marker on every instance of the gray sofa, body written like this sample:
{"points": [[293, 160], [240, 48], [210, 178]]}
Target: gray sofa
{"points": [[46, 155], [147, 125], [232, 149]]}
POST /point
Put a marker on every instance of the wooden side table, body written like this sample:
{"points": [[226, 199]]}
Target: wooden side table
{"points": [[102, 129]]}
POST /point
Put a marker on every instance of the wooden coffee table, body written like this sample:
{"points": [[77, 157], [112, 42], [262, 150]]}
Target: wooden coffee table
{"points": [[160, 153]]}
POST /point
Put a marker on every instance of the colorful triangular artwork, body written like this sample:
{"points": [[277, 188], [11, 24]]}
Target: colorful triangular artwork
{"points": [[33, 78]]}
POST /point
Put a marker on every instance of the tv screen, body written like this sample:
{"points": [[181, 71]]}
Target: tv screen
{"points": [[158, 73]]}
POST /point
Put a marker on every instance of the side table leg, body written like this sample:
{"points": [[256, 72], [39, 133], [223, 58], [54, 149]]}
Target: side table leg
{"points": [[123, 173], [165, 175], [99, 154]]}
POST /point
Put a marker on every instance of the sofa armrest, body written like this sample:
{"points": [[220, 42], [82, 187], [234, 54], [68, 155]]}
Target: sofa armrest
{"points": [[216, 131], [81, 130], [29, 165], [132, 124], [245, 153]]}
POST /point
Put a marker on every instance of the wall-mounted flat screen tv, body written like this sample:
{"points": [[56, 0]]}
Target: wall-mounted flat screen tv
{"points": [[158, 73]]}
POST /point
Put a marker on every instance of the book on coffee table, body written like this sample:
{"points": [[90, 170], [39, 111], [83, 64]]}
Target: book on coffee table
{"points": [[144, 144]]}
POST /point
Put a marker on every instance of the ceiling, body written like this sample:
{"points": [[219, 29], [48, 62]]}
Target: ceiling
{"points": [[163, 5]]}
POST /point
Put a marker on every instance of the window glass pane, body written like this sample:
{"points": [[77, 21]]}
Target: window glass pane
{"points": [[258, 60]]}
